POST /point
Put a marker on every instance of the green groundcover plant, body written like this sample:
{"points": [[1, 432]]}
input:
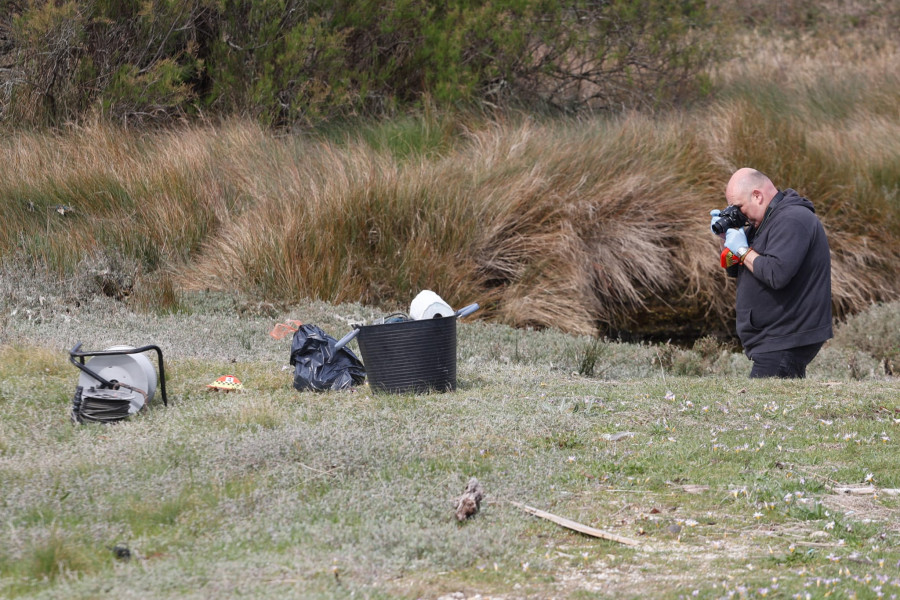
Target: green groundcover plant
{"points": [[727, 486]]}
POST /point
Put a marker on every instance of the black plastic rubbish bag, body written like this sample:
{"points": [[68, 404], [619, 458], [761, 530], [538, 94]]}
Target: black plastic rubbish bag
{"points": [[317, 367]]}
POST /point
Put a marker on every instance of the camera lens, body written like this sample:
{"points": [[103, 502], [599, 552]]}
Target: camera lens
{"points": [[730, 218]]}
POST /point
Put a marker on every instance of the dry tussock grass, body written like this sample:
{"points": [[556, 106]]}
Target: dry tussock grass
{"points": [[595, 211], [598, 225], [830, 167], [571, 227], [155, 196]]}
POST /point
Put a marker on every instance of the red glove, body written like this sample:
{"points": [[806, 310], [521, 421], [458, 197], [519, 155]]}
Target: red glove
{"points": [[729, 259]]}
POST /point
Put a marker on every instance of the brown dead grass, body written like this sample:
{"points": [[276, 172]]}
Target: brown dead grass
{"points": [[596, 213]]}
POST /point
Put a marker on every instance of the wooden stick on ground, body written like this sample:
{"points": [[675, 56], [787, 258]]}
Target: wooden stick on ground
{"points": [[585, 529]]}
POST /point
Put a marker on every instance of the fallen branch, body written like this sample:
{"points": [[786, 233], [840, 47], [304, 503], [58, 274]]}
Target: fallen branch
{"points": [[828, 480], [320, 472], [819, 544], [568, 523]]}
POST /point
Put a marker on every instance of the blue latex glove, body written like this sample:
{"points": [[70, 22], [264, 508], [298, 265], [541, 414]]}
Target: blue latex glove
{"points": [[714, 216], [736, 239]]}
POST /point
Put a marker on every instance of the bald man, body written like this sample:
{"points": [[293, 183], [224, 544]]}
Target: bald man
{"points": [[783, 267]]}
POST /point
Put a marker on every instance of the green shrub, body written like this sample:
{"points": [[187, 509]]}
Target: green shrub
{"points": [[287, 62], [126, 60]]}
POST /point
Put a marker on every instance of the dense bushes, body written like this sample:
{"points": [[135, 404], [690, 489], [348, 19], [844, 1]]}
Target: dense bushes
{"points": [[295, 61]]}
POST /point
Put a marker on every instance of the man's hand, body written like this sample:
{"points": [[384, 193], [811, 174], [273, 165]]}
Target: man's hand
{"points": [[736, 241], [736, 248]]}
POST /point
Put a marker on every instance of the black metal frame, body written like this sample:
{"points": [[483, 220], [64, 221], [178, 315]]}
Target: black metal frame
{"points": [[75, 353]]}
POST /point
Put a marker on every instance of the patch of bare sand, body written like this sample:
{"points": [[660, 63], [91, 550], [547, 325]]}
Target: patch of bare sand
{"points": [[658, 568]]}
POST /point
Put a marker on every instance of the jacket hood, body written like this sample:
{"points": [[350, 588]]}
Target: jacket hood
{"points": [[782, 200], [791, 198]]}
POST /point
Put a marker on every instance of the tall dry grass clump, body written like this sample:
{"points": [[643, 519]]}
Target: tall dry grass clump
{"points": [[340, 223], [99, 190], [599, 213]]}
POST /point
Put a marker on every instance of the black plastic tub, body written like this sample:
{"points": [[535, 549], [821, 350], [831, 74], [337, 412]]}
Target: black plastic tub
{"points": [[410, 356]]}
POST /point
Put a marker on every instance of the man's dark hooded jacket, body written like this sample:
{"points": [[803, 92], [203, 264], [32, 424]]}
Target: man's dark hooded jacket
{"points": [[786, 301]]}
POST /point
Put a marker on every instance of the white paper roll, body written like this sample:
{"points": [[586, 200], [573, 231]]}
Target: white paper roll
{"points": [[428, 305]]}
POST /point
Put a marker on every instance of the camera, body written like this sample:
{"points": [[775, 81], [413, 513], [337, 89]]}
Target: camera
{"points": [[730, 218]]}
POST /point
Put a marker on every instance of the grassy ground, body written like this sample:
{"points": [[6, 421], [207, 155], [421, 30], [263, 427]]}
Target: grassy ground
{"points": [[729, 486]]}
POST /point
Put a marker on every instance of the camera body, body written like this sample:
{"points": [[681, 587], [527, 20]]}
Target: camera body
{"points": [[730, 218]]}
